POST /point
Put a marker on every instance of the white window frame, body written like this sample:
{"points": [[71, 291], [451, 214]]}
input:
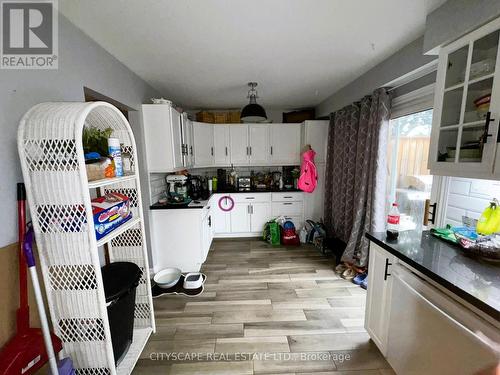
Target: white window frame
{"points": [[420, 100]]}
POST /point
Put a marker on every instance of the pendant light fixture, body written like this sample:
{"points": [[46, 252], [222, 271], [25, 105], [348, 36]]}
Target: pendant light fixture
{"points": [[253, 112]]}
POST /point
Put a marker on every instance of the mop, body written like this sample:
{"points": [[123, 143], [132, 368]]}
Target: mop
{"points": [[25, 353], [65, 366]]}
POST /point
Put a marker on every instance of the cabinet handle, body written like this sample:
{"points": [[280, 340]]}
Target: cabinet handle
{"points": [[247, 150], [428, 212], [486, 133], [287, 204], [248, 209], [387, 264], [288, 197], [191, 150], [251, 209], [226, 150], [212, 151], [250, 150], [250, 198], [209, 221], [271, 150]]}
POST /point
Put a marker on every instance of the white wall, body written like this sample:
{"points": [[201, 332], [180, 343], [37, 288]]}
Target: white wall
{"points": [[468, 197], [82, 62]]}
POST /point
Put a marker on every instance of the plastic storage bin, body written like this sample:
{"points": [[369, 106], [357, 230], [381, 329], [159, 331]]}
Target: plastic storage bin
{"points": [[120, 281]]}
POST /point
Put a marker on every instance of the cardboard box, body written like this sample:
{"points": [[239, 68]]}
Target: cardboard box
{"points": [[110, 211]]}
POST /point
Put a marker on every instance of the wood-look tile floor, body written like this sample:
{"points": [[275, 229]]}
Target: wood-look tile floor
{"points": [[265, 310]]}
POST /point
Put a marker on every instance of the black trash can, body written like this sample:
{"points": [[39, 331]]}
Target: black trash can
{"points": [[120, 281]]}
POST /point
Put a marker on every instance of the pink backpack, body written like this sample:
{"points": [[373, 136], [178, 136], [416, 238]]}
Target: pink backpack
{"points": [[308, 175]]}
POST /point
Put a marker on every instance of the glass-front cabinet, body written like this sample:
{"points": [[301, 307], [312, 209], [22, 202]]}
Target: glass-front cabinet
{"points": [[467, 105]]}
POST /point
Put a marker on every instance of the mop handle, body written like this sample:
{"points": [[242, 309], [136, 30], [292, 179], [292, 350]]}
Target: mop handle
{"points": [[30, 260]]}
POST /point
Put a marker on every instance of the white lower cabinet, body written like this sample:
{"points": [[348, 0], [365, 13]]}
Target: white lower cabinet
{"points": [[259, 216], [240, 218], [252, 211], [379, 295], [181, 238], [221, 220]]}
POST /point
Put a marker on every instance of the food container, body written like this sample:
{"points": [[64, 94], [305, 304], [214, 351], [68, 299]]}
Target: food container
{"points": [[110, 211], [168, 277]]}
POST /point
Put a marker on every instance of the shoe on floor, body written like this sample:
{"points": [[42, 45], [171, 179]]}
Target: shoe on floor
{"points": [[359, 278], [349, 274], [339, 270], [364, 283]]}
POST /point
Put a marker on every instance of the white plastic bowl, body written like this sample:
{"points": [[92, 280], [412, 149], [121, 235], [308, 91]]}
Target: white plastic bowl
{"points": [[168, 277]]}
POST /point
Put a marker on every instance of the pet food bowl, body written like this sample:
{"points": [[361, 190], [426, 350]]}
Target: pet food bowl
{"points": [[167, 277]]}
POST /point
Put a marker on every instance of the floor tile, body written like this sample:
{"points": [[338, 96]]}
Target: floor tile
{"points": [[323, 292], [252, 316], [364, 357], [327, 341], [213, 368], [302, 303], [155, 347], [208, 331], [252, 345], [293, 328], [294, 362]]}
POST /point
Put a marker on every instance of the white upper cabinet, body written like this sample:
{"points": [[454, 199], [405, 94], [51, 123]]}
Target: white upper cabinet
{"points": [[467, 106], [239, 149], [203, 144], [187, 141], [285, 144], [162, 133], [258, 145], [222, 145], [315, 133]]}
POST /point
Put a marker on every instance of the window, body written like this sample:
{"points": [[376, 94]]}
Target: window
{"points": [[409, 181]]}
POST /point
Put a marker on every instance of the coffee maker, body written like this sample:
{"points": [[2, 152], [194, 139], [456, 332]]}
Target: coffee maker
{"points": [[177, 188], [195, 187]]}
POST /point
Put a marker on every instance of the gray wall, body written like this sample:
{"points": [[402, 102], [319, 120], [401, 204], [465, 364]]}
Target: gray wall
{"points": [[82, 62], [404, 61], [456, 18]]}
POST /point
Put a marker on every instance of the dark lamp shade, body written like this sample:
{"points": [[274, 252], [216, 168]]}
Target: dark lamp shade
{"points": [[253, 112]]}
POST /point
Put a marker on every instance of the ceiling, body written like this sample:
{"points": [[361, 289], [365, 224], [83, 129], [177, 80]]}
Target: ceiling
{"points": [[201, 53]]}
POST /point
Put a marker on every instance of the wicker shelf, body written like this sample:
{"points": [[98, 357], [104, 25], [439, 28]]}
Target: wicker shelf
{"points": [[121, 229], [59, 196], [110, 181], [141, 336]]}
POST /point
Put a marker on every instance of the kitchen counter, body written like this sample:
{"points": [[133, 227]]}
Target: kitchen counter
{"points": [[203, 203], [473, 280]]}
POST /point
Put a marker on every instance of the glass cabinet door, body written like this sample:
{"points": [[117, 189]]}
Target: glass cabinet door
{"points": [[465, 121]]}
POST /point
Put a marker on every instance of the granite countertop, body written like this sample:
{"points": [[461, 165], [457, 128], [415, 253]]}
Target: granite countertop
{"points": [[202, 203], [475, 281]]}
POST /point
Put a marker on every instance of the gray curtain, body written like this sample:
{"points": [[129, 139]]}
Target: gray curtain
{"points": [[356, 173]]}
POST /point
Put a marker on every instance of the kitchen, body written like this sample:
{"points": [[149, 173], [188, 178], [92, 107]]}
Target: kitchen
{"points": [[332, 212]]}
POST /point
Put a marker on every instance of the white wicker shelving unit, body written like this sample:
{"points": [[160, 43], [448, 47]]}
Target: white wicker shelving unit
{"points": [[51, 153]]}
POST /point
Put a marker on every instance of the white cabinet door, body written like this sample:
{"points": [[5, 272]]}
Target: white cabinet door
{"points": [[315, 133], [239, 149], [240, 218], [203, 144], [162, 136], [221, 145], [259, 143], [285, 144], [260, 214], [221, 220], [187, 140], [177, 138], [379, 295], [464, 134]]}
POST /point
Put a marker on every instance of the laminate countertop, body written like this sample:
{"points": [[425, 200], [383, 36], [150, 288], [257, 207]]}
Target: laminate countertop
{"points": [[473, 280], [202, 203]]}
